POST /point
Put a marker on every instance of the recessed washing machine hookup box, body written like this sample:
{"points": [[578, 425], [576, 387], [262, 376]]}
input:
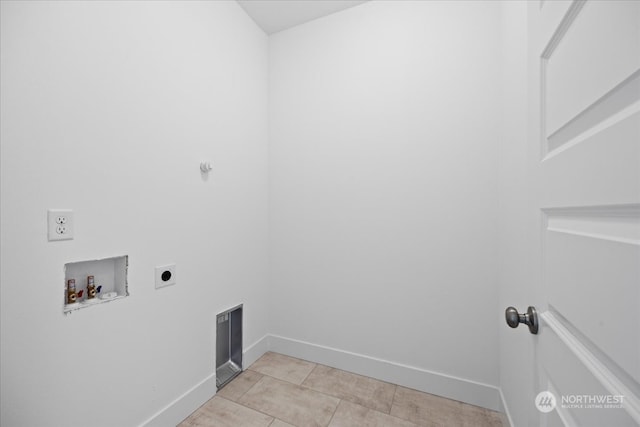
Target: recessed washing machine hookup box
{"points": [[91, 282], [228, 345]]}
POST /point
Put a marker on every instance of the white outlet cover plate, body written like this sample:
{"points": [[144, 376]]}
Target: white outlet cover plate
{"points": [[60, 224], [171, 268]]}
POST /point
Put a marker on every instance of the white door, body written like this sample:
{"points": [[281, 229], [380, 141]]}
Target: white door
{"points": [[584, 149]]}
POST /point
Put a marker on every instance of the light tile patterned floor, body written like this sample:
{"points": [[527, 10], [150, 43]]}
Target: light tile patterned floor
{"points": [[281, 391]]}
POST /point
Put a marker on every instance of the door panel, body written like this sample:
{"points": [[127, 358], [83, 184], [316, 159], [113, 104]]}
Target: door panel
{"points": [[590, 58], [585, 155], [551, 13], [600, 169], [567, 375], [592, 276]]}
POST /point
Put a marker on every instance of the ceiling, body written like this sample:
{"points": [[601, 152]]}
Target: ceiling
{"points": [[277, 15]]}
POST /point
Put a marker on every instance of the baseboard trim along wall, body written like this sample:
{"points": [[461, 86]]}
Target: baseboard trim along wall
{"points": [[184, 405], [506, 416], [255, 351], [191, 400], [466, 391]]}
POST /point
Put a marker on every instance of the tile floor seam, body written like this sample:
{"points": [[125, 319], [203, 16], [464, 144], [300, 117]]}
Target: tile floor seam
{"points": [[293, 384], [307, 377], [314, 368], [467, 411], [393, 399], [395, 391], [252, 409], [340, 399], [331, 395], [374, 410], [334, 412], [279, 379], [347, 399], [315, 365], [239, 404], [303, 386], [395, 387], [247, 390], [401, 419]]}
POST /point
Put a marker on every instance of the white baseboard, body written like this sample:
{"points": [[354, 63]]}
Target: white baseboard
{"points": [[467, 391], [255, 351], [506, 416], [183, 406], [472, 392], [191, 400]]}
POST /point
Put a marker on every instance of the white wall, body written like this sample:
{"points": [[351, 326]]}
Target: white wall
{"points": [[107, 109], [384, 129]]}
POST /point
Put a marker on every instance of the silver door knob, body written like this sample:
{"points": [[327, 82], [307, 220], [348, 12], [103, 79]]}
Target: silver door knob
{"points": [[530, 318]]}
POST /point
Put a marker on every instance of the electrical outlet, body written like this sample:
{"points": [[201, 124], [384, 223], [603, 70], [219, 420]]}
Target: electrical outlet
{"points": [[165, 275], [60, 224]]}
